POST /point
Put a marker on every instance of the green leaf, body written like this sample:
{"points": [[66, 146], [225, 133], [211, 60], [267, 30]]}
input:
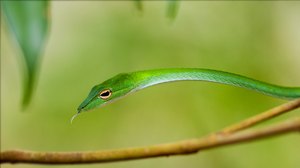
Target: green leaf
{"points": [[28, 23], [172, 9], [138, 5]]}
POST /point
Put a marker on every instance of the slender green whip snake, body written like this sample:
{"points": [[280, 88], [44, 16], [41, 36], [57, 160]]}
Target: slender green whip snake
{"points": [[125, 83]]}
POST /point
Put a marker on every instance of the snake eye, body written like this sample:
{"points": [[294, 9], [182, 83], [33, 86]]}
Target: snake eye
{"points": [[105, 94]]}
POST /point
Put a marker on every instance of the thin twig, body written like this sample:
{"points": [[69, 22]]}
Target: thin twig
{"points": [[262, 117], [178, 148]]}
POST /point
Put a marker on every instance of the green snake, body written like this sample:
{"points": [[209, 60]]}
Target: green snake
{"points": [[125, 83]]}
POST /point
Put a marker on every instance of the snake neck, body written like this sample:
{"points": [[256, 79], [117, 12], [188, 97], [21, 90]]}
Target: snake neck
{"points": [[154, 77]]}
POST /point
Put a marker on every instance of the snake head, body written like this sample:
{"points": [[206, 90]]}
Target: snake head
{"points": [[108, 91]]}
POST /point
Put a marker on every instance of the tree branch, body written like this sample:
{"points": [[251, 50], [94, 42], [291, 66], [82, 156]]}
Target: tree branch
{"points": [[177, 148]]}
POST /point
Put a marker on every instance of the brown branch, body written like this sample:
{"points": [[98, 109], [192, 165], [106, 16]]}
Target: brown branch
{"points": [[177, 148], [276, 111]]}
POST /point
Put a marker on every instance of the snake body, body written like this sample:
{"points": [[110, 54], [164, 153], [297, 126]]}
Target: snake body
{"points": [[125, 83]]}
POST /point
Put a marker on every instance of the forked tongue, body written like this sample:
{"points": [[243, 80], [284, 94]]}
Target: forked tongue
{"points": [[73, 117]]}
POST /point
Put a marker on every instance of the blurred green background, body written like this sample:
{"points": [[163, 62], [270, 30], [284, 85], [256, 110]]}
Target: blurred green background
{"points": [[91, 41]]}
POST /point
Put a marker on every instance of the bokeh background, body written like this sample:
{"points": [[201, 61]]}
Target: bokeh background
{"points": [[91, 41]]}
